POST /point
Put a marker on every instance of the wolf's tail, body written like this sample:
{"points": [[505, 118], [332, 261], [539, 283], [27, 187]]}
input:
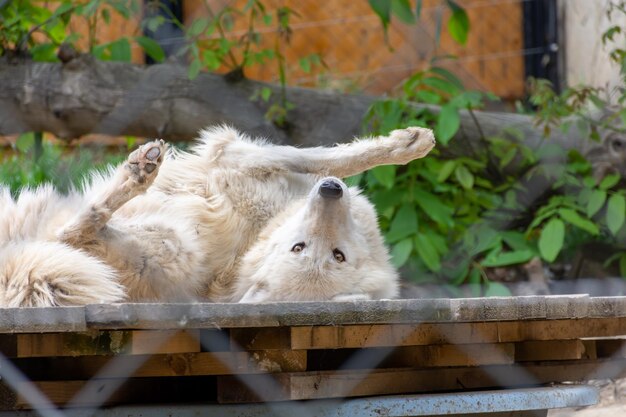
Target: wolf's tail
{"points": [[40, 274]]}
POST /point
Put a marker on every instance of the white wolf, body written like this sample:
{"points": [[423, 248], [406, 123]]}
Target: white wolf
{"points": [[232, 220]]}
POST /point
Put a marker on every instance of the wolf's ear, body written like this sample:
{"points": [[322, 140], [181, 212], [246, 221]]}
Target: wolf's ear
{"points": [[258, 293]]}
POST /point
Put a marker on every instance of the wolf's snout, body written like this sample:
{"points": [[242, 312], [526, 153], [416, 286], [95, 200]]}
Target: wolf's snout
{"points": [[331, 189]]}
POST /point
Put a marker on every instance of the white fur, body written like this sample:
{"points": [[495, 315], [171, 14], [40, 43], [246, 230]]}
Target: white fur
{"points": [[216, 223]]}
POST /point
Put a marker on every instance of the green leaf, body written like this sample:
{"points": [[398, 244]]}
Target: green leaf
{"points": [[385, 199], [25, 141], [106, 15], [596, 201], [451, 78], [572, 217], [44, 52], [194, 68], [401, 251], [515, 240], [508, 258], [151, 47], [305, 64], [459, 23], [120, 50], [496, 289], [615, 212], [385, 174], [622, 265], [446, 170], [418, 9], [404, 224], [197, 27], [402, 9], [434, 207], [427, 252], [383, 9], [464, 177], [609, 181], [448, 124], [551, 239], [266, 93]]}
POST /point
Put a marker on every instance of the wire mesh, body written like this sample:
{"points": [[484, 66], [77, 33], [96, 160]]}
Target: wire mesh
{"points": [[349, 38]]}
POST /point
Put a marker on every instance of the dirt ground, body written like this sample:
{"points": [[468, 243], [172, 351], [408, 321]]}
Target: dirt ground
{"points": [[612, 402]]}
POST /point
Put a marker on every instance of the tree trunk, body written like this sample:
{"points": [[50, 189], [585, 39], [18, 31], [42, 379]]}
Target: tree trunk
{"points": [[88, 96]]}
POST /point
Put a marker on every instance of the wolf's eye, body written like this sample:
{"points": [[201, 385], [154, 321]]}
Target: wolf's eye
{"points": [[298, 247], [339, 256]]}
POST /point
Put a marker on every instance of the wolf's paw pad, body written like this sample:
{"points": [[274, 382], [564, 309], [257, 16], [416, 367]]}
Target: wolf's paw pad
{"points": [[145, 160], [412, 143]]}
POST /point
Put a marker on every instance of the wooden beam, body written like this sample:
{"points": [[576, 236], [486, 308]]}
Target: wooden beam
{"points": [[339, 384], [360, 336]]}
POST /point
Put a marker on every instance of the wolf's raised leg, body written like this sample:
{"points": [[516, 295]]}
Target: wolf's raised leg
{"points": [[130, 179], [400, 147]]}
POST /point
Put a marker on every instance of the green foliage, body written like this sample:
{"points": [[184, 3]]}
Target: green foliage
{"points": [[458, 23], [28, 166], [450, 219]]}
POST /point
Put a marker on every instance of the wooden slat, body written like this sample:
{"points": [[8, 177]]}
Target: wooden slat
{"points": [[337, 384], [261, 338], [103, 392], [106, 343], [72, 344], [549, 350], [165, 365], [165, 341], [451, 355], [359, 336], [611, 348]]}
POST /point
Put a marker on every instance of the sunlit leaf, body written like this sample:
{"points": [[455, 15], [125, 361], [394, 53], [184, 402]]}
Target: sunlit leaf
{"points": [[508, 258], [459, 23], [596, 201], [464, 177], [448, 124], [615, 212], [427, 252], [551, 239], [572, 217], [385, 174], [496, 289], [401, 251], [402, 9], [151, 47], [404, 224]]}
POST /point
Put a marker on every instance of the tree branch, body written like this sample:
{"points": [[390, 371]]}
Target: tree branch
{"points": [[88, 96]]}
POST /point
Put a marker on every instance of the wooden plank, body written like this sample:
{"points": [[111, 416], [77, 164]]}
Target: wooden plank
{"points": [[549, 350], [611, 348], [8, 345], [360, 336], [283, 314], [164, 365], [165, 341], [104, 392], [262, 338], [107, 343], [72, 344], [42, 319], [451, 355], [338, 384]]}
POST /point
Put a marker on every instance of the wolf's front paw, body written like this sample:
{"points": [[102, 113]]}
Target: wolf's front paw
{"points": [[411, 143], [144, 162]]}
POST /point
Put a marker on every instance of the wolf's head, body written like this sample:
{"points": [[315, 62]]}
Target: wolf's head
{"points": [[327, 246]]}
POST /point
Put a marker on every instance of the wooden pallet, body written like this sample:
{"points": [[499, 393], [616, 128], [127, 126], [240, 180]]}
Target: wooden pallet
{"points": [[229, 353]]}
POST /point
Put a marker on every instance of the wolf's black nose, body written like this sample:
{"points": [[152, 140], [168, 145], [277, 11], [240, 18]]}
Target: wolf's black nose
{"points": [[331, 189]]}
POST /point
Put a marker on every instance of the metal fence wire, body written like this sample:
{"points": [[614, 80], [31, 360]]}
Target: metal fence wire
{"points": [[332, 352]]}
